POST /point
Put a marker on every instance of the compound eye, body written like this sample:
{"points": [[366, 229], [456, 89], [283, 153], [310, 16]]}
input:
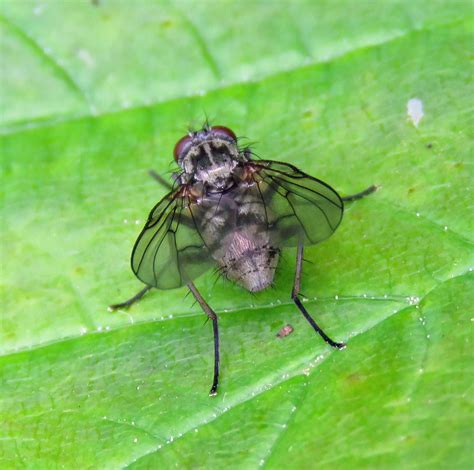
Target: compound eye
{"points": [[224, 132], [182, 145]]}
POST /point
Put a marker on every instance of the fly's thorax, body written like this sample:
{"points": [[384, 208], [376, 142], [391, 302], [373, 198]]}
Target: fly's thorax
{"points": [[212, 162]]}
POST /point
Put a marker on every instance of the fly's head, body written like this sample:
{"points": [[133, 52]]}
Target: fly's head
{"points": [[209, 156]]}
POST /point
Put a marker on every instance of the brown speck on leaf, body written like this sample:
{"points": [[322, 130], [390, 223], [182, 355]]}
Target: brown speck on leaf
{"points": [[285, 331], [167, 23]]}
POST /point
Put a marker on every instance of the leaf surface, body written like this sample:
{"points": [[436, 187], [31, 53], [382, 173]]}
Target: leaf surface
{"points": [[95, 95]]}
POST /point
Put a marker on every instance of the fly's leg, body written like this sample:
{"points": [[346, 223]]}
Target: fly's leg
{"points": [[160, 179], [295, 296], [365, 192], [212, 315], [130, 301], [139, 295]]}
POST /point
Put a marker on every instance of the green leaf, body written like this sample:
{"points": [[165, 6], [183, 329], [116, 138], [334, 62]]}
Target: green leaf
{"points": [[95, 94]]}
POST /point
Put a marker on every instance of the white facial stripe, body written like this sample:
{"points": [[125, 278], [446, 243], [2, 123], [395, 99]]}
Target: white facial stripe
{"points": [[207, 149]]}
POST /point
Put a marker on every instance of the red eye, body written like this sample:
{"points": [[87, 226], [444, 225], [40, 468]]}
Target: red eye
{"points": [[181, 146], [224, 131]]}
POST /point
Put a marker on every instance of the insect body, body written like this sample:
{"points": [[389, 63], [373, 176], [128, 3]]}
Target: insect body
{"points": [[231, 211]]}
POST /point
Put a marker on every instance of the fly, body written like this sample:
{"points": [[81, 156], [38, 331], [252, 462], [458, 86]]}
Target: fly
{"points": [[230, 211]]}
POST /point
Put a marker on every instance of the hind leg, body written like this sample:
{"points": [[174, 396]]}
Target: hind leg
{"points": [[295, 296], [365, 192]]}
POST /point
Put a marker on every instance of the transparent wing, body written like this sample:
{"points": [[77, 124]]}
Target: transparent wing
{"points": [[298, 207], [170, 251]]}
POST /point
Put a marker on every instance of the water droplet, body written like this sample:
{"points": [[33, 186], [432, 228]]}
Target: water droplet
{"points": [[445, 228], [125, 221], [415, 110], [135, 440], [336, 297], [38, 9], [85, 56], [418, 214]]}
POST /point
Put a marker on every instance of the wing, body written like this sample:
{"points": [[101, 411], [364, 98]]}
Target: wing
{"points": [[170, 251], [298, 207]]}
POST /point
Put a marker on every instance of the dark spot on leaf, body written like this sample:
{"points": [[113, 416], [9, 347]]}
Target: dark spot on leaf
{"points": [[354, 378], [166, 23]]}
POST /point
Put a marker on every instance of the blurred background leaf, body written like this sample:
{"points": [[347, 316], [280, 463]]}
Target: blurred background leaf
{"points": [[93, 94]]}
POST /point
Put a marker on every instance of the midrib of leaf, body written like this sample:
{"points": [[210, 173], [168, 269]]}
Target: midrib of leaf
{"points": [[260, 387], [24, 126], [191, 314]]}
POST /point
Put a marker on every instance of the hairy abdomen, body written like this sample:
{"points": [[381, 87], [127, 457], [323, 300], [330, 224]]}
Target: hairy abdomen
{"points": [[249, 262]]}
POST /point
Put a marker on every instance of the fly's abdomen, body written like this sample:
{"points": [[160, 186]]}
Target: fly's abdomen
{"points": [[250, 258], [249, 262], [234, 227]]}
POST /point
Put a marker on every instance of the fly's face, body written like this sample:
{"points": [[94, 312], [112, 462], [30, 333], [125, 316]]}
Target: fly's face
{"points": [[209, 156]]}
